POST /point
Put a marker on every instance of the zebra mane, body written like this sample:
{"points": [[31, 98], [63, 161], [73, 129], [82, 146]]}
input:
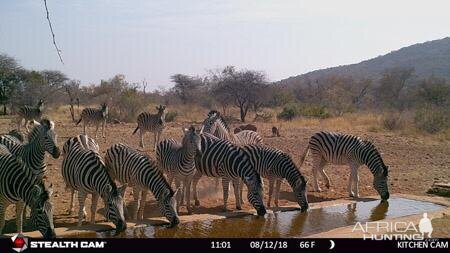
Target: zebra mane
{"points": [[39, 127], [369, 145], [219, 118]]}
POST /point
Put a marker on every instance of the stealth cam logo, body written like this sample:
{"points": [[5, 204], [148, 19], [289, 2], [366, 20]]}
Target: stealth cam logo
{"points": [[20, 243]]}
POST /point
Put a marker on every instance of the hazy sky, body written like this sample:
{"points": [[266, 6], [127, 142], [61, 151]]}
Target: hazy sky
{"points": [[155, 39]]}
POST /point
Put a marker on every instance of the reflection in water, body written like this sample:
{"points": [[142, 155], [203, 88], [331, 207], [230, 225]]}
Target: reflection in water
{"points": [[287, 224]]}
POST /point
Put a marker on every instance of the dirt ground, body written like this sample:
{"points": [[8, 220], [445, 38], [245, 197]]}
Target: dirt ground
{"points": [[415, 163]]}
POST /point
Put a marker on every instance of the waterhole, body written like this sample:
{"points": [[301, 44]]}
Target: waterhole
{"points": [[285, 224]]}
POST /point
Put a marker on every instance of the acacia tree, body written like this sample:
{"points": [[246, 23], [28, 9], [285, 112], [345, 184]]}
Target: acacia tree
{"points": [[392, 84], [9, 79], [186, 87], [245, 88]]}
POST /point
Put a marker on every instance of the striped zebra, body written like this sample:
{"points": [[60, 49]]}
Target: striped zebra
{"points": [[18, 186], [222, 159], [15, 136], [276, 165], [178, 160], [131, 167], [42, 138], [29, 113], [83, 170], [96, 116], [154, 123], [336, 148], [215, 124]]}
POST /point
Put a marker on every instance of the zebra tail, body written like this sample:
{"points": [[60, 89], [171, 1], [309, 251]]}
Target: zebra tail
{"points": [[303, 156], [79, 121], [135, 130]]}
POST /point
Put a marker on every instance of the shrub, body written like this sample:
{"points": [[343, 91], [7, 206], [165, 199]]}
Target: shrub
{"points": [[289, 112], [431, 119], [293, 110], [264, 116], [171, 115]]}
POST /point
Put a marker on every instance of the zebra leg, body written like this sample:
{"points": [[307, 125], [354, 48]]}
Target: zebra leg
{"points": [[140, 215], [137, 197], [241, 187], [277, 190], [225, 188], [84, 127], [94, 207], [81, 211], [20, 206], [180, 195], [271, 182], [141, 137], [19, 122], [154, 140], [96, 129], [325, 176], [237, 193], [197, 177], [317, 166], [3, 205], [187, 190], [353, 182], [103, 128], [72, 195]]}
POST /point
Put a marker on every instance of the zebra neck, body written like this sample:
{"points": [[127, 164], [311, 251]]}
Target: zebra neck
{"points": [[33, 155], [371, 158], [187, 156], [292, 176]]}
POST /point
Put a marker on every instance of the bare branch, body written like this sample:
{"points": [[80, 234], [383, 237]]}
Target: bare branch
{"points": [[53, 34]]}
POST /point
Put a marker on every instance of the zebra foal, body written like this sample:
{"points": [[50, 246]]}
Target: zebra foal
{"points": [[131, 167], [96, 116], [83, 170], [178, 160], [154, 123], [275, 165], [340, 149]]}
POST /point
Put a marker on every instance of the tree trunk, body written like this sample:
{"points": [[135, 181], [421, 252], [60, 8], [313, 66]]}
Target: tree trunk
{"points": [[4, 109], [243, 109]]}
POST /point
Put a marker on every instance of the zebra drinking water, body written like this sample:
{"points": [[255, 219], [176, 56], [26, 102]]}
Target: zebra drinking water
{"points": [[30, 113], [84, 171], [18, 185], [154, 123], [178, 160], [222, 159], [139, 171], [275, 165], [336, 148], [96, 116]]}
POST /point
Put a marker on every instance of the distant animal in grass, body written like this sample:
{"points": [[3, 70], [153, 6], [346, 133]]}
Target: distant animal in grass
{"points": [[275, 132], [245, 127]]}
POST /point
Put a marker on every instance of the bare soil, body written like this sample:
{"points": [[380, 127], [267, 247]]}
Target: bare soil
{"points": [[415, 163]]}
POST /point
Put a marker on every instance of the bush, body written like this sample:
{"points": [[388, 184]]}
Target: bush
{"points": [[264, 116], [431, 119], [293, 110], [392, 121], [289, 112], [171, 115]]}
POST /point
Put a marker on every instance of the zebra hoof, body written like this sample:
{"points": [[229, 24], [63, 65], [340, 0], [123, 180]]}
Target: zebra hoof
{"points": [[351, 195], [328, 186]]}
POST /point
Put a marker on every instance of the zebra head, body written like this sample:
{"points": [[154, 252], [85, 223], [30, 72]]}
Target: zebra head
{"points": [[300, 193], [161, 112], [380, 182], [192, 139], [40, 105], [44, 133], [209, 124], [42, 211], [114, 206], [168, 205], [104, 110], [255, 192]]}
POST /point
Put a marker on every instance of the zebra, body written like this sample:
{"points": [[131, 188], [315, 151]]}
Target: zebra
{"points": [[96, 116], [217, 126], [42, 138], [222, 159], [15, 136], [141, 172], [178, 160], [276, 165], [84, 171], [17, 185], [30, 113], [154, 123], [337, 148]]}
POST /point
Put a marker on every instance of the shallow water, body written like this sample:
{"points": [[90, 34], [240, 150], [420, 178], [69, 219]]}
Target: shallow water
{"points": [[286, 224]]}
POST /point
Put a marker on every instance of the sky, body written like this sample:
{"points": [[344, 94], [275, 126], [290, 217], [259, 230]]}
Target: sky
{"points": [[153, 40]]}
